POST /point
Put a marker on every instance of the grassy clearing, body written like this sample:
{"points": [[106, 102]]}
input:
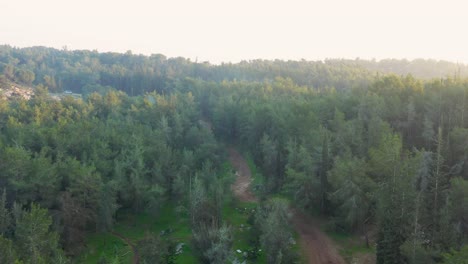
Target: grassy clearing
{"points": [[135, 227], [258, 181], [236, 214], [105, 245], [351, 246]]}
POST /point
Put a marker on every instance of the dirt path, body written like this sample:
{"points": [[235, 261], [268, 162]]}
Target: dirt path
{"points": [[136, 256], [241, 186], [316, 245], [318, 248]]}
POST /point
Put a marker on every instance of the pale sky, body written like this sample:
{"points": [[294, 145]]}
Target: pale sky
{"points": [[219, 30]]}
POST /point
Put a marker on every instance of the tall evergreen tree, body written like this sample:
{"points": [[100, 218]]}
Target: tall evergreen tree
{"points": [[325, 165], [5, 216], [394, 170], [36, 242]]}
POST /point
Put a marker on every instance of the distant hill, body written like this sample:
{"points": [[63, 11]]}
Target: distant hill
{"points": [[419, 68], [84, 71]]}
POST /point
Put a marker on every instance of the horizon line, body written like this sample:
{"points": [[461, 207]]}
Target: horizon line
{"points": [[221, 62]]}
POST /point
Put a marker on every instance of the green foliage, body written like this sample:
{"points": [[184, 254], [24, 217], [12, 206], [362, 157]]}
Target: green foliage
{"points": [[394, 197], [211, 240], [325, 165], [107, 206], [301, 180], [25, 76], [458, 144], [221, 242], [368, 149], [416, 253], [245, 234], [269, 160], [354, 195], [104, 248], [459, 208], [153, 250], [456, 257], [5, 215], [7, 251], [273, 220], [36, 243]]}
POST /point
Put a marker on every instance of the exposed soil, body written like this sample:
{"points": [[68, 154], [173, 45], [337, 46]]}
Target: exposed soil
{"points": [[241, 186], [318, 248], [136, 256], [12, 90], [316, 245]]}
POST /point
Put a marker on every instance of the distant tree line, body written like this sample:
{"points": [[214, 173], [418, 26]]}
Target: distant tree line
{"points": [[84, 71]]}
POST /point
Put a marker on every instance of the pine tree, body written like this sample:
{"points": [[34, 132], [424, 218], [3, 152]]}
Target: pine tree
{"points": [[325, 165], [270, 162], [36, 243], [7, 251], [353, 193], [394, 170], [435, 196], [301, 180], [5, 216], [414, 248], [273, 220]]}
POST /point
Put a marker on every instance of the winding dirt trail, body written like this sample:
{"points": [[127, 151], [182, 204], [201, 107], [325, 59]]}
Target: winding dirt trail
{"points": [[136, 256], [241, 186], [316, 245]]}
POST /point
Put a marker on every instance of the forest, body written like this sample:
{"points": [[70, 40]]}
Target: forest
{"points": [[139, 168]]}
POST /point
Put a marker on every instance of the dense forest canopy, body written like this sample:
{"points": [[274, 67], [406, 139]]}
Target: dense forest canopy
{"points": [[381, 155]]}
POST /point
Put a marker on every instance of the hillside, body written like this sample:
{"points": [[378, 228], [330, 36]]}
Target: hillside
{"points": [[83, 71]]}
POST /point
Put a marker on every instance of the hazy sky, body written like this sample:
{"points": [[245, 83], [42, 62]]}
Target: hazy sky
{"points": [[219, 30]]}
